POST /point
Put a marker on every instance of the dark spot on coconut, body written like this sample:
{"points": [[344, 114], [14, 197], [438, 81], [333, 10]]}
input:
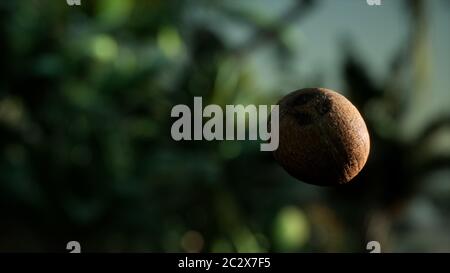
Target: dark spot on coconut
{"points": [[303, 118], [307, 108], [303, 99], [323, 105]]}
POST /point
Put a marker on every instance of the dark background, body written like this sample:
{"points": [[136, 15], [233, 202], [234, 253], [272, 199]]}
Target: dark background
{"points": [[85, 146]]}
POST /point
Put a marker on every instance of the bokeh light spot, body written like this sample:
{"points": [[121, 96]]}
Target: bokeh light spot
{"points": [[291, 228], [192, 242], [104, 48], [169, 42]]}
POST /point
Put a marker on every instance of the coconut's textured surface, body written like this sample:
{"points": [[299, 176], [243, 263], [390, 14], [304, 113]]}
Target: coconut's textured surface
{"points": [[323, 138]]}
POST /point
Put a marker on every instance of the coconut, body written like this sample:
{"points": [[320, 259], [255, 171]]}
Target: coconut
{"points": [[323, 139]]}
